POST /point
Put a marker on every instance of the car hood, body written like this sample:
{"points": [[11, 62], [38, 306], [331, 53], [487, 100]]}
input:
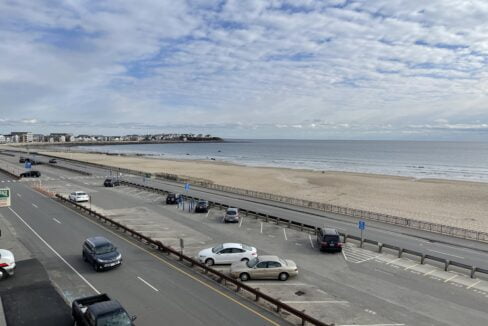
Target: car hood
{"points": [[7, 256], [109, 255], [206, 252]]}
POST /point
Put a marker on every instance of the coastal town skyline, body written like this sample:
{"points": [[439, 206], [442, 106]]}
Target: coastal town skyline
{"points": [[247, 69]]}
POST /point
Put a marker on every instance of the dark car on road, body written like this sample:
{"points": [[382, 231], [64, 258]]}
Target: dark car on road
{"points": [[202, 206], [53, 161], [22, 159], [172, 199], [100, 310], [101, 253], [30, 174], [329, 240], [109, 182]]}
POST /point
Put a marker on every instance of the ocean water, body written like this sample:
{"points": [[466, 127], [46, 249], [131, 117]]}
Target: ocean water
{"points": [[419, 159]]}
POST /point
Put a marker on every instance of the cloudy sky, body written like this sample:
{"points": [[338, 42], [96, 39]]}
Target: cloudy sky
{"points": [[376, 69]]}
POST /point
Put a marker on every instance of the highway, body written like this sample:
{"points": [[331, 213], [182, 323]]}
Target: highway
{"points": [[147, 284], [373, 290]]}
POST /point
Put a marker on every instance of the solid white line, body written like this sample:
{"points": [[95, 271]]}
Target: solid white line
{"points": [[55, 252], [311, 242], [315, 301], [440, 252], [56, 220], [240, 223], [411, 266], [284, 232], [19, 195], [261, 227], [145, 282], [207, 214], [432, 271], [35, 205], [475, 283], [343, 254], [392, 261], [450, 278]]}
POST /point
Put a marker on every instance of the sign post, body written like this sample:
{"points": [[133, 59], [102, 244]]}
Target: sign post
{"points": [[362, 226], [5, 197], [182, 247]]}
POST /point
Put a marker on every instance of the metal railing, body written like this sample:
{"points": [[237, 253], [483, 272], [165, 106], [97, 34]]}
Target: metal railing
{"points": [[220, 277]]}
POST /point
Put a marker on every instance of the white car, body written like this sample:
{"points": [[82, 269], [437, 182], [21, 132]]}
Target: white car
{"points": [[7, 263], [78, 196], [227, 253]]}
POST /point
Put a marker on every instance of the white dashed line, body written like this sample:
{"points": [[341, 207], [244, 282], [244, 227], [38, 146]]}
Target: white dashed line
{"points": [[145, 282], [450, 278], [411, 267], [261, 227], [284, 232], [35, 205], [19, 195], [432, 271], [475, 283], [56, 220], [240, 223], [311, 242]]}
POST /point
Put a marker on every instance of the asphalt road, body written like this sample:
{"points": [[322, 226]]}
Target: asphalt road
{"points": [[148, 285]]}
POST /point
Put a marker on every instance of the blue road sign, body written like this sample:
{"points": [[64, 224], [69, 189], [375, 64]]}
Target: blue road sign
{"points": [[187, 186], [28, 165], [362, 225]]}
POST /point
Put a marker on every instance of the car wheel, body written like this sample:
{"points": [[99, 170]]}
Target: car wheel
{"points": [[84, 257], [245, 260], [3, 273], [209, 262], [96, 267], [244, 277], [283, 276]]}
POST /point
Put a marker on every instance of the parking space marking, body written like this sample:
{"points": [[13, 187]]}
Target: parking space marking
{"points": [[393, 260], [475, 283], [35, 205], [284, 232], [411, 266], [432, 271], [147, 283], [56, 220], [375, 325], [311, 242], [240, 223], [325, 301], [261, 227], [450, 278], [19, 195]]}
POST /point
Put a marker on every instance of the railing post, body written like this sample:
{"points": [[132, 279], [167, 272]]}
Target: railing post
{"points": [[473, 270], [422, 259], [380, 247], [448, 262], [400, 252]]}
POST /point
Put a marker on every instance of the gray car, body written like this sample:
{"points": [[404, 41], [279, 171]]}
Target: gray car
{"points": [[231, 215], [264, 267]]}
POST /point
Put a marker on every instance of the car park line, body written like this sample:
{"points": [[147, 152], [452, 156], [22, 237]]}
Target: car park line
{"points": [[311, 242], [475, 283], [19, 195], [284, 232], [261, 227], [147, 283], [56, 220], [432, 271], [411, 266], [450, 278], [35, 205], [240, 223], [54, 251]]}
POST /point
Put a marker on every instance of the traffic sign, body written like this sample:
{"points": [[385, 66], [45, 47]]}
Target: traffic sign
{"points": [[28, 165], [4, 197], [187, 186], [362, 225]]}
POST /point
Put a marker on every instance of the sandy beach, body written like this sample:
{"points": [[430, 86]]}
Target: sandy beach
{"points": [[456, 203]]}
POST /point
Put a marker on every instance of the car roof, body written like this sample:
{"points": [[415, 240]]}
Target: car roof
{"points": [[232, 245], [79, 192], [232, 209], [269, 258], [98, 240], [330, 231]]}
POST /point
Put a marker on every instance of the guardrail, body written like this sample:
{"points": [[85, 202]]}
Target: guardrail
{"points": [[279, 306], [7, 154], [379, 217], [311, 228]]}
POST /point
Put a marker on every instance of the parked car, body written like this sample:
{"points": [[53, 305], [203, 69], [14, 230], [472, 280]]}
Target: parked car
{"points": [[231, 215], [100, 310], [22, 159], [30, 174], [79, 196], [171, 198], [227, 253], [7, 263], [101, 253], [329, 240], [110, 182], [53, 161], [202, 206], [264, 267]]}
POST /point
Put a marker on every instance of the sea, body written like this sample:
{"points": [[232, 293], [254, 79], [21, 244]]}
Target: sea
{"points": [[417, 159]]}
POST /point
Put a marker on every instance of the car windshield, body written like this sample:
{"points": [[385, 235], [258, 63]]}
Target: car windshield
{"points": [[203, 202], [331, 238], [252, 262], [217, 248], [104, 249], [117, 319], [81, 194], [231, 212]]}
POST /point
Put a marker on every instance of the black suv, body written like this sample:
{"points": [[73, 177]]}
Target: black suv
{"points": [[111, 182], [53, 161], [171, 198], [202, 206], [101, 253], [30, 174], [329, 240]]}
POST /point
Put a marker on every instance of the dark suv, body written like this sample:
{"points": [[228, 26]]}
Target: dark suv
{"points": [[329, 240], [22, 159], [111, 182], [30, 174], [202, 206], [101, 253], [171, 198]]}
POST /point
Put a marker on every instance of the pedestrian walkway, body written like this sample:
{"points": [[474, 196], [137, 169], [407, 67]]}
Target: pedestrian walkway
{"points": [[354, 254]]}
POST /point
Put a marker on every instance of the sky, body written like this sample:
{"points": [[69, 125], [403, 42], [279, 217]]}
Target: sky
{"points": [[305, 69]]}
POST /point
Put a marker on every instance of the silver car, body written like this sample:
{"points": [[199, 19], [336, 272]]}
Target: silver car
{"points": [[231, 215], [264, 267]]}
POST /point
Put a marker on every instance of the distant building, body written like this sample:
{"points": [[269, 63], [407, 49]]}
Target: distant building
{"points": [[38, 138], [21, 136], [2, 139], [61, 137]]}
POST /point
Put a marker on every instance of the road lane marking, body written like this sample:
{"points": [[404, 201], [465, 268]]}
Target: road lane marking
{"points": [[443, 253], [56, 220], [325, 301], [284, 232], [392, 261], [311, 242], [343, 254], [207, 214], [450, 278], [475, 283], [432, 271], [55, 252], [19, 195], [196, 279], [147, 283], [35, 205], [240, 223], [261, 227], [411, 266]]}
